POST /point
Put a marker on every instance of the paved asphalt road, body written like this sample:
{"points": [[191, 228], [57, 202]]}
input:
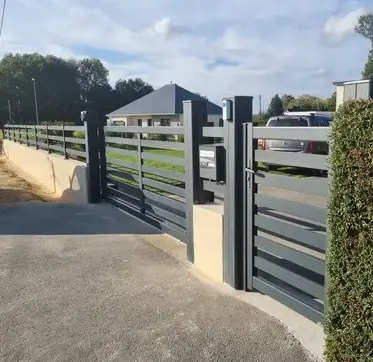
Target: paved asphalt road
{"points": [[79, 283]]}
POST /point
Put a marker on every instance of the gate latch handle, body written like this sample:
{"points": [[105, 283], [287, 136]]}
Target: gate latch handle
{"points": [[250, 170]]}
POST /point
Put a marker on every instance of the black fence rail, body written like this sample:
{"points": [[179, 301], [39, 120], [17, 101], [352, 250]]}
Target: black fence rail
{"points": [[68, 141], [286, 230], [145, 174]]}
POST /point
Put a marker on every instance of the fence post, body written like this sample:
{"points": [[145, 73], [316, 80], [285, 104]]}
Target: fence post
{"points": [[64, 140], [141, 185], [46, 131], [19, 134], [195, 117], [92, 150], [102, 153], [27, 140], [233, 245], [36, 137]]}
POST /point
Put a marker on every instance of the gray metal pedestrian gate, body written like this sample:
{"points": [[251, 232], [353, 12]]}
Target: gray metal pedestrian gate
{"points": [[285, 221]]}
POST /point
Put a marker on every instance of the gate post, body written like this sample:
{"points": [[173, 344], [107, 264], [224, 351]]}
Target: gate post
{"points": [[233, 245], [102, 158], [92, 145], [195, 117]]}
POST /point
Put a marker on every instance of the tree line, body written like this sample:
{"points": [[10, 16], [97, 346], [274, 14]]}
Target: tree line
{"points": [[63, 87], [306, 102], [364, 27]]}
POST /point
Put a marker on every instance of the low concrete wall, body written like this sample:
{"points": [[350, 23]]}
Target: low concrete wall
{"points": [[208, 240], [66, 179]]}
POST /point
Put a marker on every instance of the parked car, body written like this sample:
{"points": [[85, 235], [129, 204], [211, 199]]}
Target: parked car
{"points": [[293, 119]]}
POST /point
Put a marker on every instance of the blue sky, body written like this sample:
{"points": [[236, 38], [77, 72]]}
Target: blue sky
{"points": [[213, 47]]}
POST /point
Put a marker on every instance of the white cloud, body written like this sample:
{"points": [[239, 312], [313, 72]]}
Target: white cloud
{"points": [[254, 47], [340, 26]]}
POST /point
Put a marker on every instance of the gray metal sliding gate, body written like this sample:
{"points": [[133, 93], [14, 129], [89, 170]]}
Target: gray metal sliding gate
{"points": [[145, 175], [286, 221]]}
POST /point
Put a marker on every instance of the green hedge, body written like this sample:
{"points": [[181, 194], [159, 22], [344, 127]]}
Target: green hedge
{"points": [[349, 318]]}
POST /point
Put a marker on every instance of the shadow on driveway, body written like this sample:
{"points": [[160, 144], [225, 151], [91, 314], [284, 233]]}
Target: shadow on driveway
{"points": [[40, 218]]}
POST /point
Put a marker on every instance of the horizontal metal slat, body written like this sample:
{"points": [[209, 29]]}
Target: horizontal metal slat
{"points": [[306, 186], [173, 175], [297, 281], [163, 145], [55, 128], [151, 130], [70, 151], [164, 187], [175, 204], [179, 161], [123, 195], [168, 216], [168, 229], [56, 138], [122, 174], [41, 127], [56, 148], [295, 159], [217, 132], [290, 301], [290, 231], [218, 189], [119, 151], [207, 173], [75, 128], [287, 253], [119, 162], [42, 145], [122, 141], [307, 212], [125, 188], [292, 133], [80, 141]]}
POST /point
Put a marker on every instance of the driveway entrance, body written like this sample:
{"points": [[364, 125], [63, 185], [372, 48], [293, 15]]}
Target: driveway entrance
{"points": [[81, 283]]}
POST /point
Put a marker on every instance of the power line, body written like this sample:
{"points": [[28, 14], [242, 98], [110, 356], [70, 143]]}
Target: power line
{"points": [[2, 18]]}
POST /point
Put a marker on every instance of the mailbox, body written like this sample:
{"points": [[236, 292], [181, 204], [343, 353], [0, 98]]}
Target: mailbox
{"points": [[212, 162]]}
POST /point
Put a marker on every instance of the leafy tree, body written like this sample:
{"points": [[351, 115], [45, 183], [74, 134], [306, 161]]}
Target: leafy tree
{"points": [[286, 99], [275, 107], [202, 96], [55, 83], [368, 68], [364, 27], [127, 91], [308, 102], [332, 102], [64, 88]]}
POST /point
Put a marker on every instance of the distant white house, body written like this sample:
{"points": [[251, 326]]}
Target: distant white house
{"points": [[353, 89], [163, 107]]}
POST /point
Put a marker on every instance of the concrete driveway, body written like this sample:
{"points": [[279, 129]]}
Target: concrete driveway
{"points": [[80, 283]]}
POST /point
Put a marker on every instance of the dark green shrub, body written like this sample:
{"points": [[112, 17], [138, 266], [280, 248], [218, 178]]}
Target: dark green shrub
{"points": [[349, 318]]}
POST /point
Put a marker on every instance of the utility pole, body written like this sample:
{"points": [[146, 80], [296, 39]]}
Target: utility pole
{"points": [[36, 102], [10, 112], [260, 107]]}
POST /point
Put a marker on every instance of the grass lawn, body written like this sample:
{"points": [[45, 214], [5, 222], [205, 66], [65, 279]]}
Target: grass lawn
{"points": [[286, 171], [296, 172], [161, 165]]}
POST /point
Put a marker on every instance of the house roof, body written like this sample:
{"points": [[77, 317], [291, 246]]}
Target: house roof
{"points": [[339, 83], [166, 100]]}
